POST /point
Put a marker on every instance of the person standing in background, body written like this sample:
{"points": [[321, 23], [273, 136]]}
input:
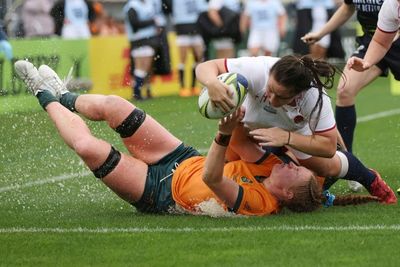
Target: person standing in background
{"points": [[142, 32], [72, 18], [5, 46], [36, 18], [267, 21], [162, 60], [312, 16], [184, 15], [225, 47]]}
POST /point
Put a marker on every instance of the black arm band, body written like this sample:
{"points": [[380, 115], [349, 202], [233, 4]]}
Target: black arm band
{"points": [[222, 139]]}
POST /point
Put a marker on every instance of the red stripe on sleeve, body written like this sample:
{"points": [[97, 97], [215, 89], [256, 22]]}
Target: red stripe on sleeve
{"points": [[326, 130], [385, 31]]}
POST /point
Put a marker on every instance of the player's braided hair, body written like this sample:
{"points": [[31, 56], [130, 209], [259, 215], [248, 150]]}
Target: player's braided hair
{"points": [[309, 197], [345, 200], [300, 73]]}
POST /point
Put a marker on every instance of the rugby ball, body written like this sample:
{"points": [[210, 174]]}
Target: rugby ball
{"points": [[237, 84]]}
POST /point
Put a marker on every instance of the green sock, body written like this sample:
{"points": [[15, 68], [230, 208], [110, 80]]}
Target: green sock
{"points": [[68, 101], [45, 98]]}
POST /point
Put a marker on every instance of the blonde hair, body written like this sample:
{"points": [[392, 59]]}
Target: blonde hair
{"points": [[309, 197], [306, 197]]}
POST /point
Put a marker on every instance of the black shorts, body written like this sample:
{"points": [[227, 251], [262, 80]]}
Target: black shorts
{"points": [[154, 42], [391, 61], [157, 195], [304, 25], [186, 29]]}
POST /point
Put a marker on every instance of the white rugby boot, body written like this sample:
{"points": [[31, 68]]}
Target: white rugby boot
{"points": [[354, 186], [51, 77], [30, 75]]}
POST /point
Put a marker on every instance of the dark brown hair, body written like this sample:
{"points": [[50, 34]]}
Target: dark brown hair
{"points": [[300, 73]]}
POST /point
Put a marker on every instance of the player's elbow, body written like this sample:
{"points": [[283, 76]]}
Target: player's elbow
{"points": [[209, 178], [329, 151]]}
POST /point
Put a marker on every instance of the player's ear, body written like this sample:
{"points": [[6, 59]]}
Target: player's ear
{"points": [[289, 194]]}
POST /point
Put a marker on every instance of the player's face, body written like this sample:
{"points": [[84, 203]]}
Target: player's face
{"points": [[286, 176], [277, 94]]}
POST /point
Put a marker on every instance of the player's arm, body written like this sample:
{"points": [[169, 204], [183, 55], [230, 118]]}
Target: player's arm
{"points": [[343, 14], [136, 23], [244, 23], [244, 146], [226, 189], [320, 144], [206, 74], [282, 22], [215, 17], [380, 44]]}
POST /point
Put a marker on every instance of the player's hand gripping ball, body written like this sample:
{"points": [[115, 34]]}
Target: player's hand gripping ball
{"points": [[238, 85]]}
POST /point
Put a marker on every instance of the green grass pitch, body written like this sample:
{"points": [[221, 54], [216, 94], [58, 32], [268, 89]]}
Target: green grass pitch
{"points": [[53, 212]]}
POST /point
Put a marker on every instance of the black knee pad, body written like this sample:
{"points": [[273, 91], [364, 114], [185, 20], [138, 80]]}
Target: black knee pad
{"points": [[130, 125], [109, 165]]}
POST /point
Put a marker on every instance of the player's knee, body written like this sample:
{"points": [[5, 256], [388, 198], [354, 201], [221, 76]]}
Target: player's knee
{"points": [[345, 93], [113, 101], [132, 123], [109, 164]]}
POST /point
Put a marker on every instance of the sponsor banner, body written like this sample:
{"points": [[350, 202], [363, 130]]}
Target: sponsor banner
{"points": [[59, 54], [110, 68], [103, 60]]}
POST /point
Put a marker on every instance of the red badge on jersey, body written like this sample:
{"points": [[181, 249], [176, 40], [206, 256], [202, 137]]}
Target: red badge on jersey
{"points": [[298, 119]]}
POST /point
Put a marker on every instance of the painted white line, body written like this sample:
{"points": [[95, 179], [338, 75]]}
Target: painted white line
{"points": [[44, 181], [284, 228], [367, 118], [379, 115]]}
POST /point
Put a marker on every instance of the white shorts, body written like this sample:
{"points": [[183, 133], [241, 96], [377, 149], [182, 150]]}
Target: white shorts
{"points": [[265, 39], [189, 40], [320, 17], [71, 31], [223, 43], [143, 51]]}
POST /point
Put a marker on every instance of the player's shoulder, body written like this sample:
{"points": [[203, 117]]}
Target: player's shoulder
{"points": [[308, 99]]}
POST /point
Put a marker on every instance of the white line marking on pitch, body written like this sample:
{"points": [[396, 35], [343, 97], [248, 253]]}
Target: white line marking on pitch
{"points": [[366, 118], [379, 115], [44, 181], [283, 228]]}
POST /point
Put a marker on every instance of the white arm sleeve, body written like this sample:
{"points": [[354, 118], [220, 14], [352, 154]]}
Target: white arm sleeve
{"points": [[254, 69], [326, 120], [389, 16]]}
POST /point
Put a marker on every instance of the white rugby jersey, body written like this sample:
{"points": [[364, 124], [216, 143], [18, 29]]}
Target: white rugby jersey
{"points": [[389, 16], [264, 14], [231, 4], [259, 112]]}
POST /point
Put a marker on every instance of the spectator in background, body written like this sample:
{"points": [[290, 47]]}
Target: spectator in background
{"points": [[36, 18], [72, 18], [267, 22], [184, 15], [103, 23], [225, 47], [142, 32], [5, 46], [312, 16], [162, 61]]}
